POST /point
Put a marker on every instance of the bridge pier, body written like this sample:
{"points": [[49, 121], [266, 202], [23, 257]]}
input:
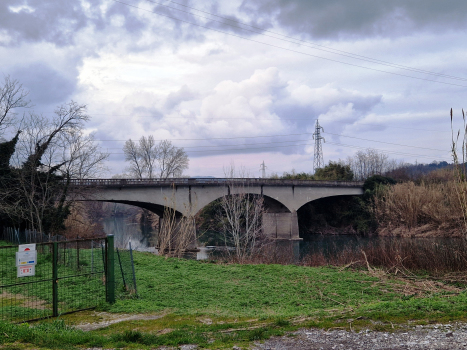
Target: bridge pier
{"points": [[282, 226]]}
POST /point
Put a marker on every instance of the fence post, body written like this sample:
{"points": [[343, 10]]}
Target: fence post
{"points": [[55, 279], [121, 269], [77, 252], [110, 272], [133, 268]]}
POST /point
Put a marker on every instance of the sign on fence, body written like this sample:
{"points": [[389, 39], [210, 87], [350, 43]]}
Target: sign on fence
{"points": [[26, 270], [26, 260]]}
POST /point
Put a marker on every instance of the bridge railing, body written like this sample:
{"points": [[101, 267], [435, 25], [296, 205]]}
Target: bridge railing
{"points": [[211, 181]]}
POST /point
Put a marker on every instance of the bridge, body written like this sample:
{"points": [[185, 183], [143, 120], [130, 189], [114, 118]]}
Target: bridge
{"points": [[188, 196]]}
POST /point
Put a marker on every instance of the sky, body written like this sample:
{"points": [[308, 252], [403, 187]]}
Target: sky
{"points": [[241, 82]]}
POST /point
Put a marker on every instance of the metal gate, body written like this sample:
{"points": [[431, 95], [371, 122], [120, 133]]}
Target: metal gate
{"points": [[69, 276]]}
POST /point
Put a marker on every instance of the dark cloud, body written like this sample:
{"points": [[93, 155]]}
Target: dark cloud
{"points": [[42, 20], [343, 18], [132, 24], [45, 84], [58, 21]]}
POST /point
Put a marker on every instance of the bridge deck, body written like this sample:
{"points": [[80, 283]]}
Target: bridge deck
{"points": [[210, 182]]}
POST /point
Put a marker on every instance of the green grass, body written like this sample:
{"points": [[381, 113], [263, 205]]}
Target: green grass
{"points": [[193, 287], [243, 303], [34, 300]]}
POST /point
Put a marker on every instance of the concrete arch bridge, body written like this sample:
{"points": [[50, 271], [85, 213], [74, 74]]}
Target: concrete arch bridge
{"points": [[188, 196]]}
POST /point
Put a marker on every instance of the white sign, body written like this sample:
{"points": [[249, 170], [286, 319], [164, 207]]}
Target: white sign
{"points": [[26, 247], [26, 270], [26, 258]]}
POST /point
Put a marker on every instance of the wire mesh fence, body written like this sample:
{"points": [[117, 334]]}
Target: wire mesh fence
{"points": [[69, 276], [125, 279]]}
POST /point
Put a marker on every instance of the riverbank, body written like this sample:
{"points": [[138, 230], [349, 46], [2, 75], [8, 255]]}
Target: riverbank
{"points": [[219, 305]]}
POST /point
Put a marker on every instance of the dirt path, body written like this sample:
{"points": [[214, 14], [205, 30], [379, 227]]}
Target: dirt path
{"points": [[439, 337], [109, 319]]}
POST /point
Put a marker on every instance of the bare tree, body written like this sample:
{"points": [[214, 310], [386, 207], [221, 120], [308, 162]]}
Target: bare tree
{"points": [[172, 160], [177, 233], [146, 158], [12, 95], [50, 153], [368, 163], [148, 152], [241, 215], [133, 156]]}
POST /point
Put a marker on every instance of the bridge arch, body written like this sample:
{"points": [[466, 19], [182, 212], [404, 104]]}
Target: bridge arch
{"points": [[189, 196], [154, 208]]}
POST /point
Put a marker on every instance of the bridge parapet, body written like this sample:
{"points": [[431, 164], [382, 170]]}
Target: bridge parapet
{"points": [[210, 182]]}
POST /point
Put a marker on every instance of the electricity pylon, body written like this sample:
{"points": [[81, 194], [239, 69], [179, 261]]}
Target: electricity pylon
{"points": [[263, 168], [318, 161]]}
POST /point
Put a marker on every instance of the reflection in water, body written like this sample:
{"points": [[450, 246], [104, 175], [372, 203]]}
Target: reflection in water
{"points": [[141, 236], [144, 238]]}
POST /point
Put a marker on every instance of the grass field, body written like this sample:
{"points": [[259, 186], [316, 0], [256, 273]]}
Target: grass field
{"points": [[217, 305]]}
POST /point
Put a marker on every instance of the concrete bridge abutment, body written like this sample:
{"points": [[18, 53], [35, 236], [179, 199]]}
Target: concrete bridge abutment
{"points": [[281, 225]]}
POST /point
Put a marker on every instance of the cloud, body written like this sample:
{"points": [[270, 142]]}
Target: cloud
{"points": [[176, 97], [361, 18], [60, 22], [45, 84], [245, 115], [333, 106], [43, 20]]}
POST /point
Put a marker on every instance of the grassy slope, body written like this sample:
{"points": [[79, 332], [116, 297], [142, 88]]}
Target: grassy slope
{"points": [[245, 303], [194, 287]]}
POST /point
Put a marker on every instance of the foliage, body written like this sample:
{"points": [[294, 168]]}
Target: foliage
{"points": [[209, 226], [334, 171], [296, 176], [38, 165]]}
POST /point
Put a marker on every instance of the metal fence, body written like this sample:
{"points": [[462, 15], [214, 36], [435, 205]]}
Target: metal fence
{"points": [[125, 278], [17, 236], [69, 276]]}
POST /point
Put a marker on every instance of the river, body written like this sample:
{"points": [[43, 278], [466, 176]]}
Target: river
{"points": [[144, 238]]}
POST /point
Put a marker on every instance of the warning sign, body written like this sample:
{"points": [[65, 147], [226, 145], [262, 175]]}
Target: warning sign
{"points": [[26, 247], [26, 270], [26, 259]]}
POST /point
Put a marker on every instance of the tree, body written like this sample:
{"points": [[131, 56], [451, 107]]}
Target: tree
{"points": [[172, 160], [12, 95], [241, 218], [334, 171], [148, 159], [35, 190], [368, 163], [296, 176]]}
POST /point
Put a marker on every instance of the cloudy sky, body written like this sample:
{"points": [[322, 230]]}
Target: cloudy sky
{"points": [[244, 81]]}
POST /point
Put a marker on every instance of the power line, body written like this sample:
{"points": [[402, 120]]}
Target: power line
{"points": [[301, 42], [257, 119], [304, 144], [388, 143], [284, 135], [290, 50]]}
